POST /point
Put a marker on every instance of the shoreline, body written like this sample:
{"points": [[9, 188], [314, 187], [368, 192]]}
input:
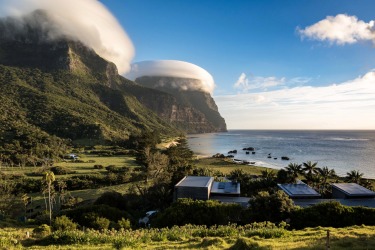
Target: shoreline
{"points": [[230, 160]]}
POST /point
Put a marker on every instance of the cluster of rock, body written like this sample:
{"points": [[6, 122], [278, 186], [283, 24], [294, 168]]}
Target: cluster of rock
{"points": [[231, 154]]}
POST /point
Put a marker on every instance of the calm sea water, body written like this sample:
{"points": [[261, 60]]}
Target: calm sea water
{"points": [[340, 150]]}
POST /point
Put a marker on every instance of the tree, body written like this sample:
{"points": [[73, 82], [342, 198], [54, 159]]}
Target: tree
{"points": [[180, 154], [326, 173], [310, 169], [294, 170], [156, 164], [354, 176], [271, 207], [268, 174], [49, 178]]}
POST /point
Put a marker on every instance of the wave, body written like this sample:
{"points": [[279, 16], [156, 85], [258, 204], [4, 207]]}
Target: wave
{"points": [[345, 139]]}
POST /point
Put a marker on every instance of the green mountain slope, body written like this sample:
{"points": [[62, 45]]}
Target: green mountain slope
{"points": [[53, 92]]}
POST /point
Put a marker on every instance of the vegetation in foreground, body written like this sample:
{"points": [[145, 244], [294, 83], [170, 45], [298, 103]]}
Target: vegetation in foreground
{"points": [[96, 200], [252, 236]]}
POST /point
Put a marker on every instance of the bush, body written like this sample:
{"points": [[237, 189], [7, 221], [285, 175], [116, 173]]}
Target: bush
{"points": [[121, 243], [332, 214], [100, 223], [61, 170], [246, 244], [124, 223], [64, 223], [113, 199], [271, 207], [98, 166], [42, 231], [198, 212]]}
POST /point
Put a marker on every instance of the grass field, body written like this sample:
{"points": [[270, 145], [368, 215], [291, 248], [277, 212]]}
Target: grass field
{"points": [[85, 166], [355, 238], [227, 165]]}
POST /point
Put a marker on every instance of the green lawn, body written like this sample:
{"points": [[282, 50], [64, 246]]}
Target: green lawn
{"points": [[227, 165], [85, 167], [354, 238]]}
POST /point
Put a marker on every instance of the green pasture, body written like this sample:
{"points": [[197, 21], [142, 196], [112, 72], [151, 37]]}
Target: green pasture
{"points": [[85, 165], [227, 165], [356, 237]]}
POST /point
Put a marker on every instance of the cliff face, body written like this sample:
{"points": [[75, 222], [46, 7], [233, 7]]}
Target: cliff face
{"points": [[189, 109]]}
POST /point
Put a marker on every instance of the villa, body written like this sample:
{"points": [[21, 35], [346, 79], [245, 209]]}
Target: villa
{"points": [[205, 188]]}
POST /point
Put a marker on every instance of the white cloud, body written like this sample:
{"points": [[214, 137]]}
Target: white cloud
{"points": [[348, 105], [245, 83], [340, 29]]}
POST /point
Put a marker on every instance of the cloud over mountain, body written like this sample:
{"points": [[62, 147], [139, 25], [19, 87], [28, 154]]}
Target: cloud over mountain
{"points": [[176, 69], [88, 21]]}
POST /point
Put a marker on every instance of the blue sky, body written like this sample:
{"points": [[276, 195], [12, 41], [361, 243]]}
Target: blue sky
{"points": [[260, 42]]}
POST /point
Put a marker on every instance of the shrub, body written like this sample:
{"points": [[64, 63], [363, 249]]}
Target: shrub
{"points": [[100, 223], [98, 166], [209, 242], [61, 170], [111, 213], [113, 199], [124, 223], [42, 231], [332, 214], [64, 223], [198, 212], [246, 244], [120, 243], [271, 207]]}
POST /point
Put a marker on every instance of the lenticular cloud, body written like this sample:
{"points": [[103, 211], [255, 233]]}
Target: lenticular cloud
{"points": [[177, 69], [85, 20]]}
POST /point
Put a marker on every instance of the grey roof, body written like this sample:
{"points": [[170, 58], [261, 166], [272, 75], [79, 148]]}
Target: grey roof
{"points": [[298, 190], [353, 189], [226, 188], [346, 202], [195, 181]]}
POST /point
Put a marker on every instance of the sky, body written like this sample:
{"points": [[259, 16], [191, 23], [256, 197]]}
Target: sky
{"points": [[291, 64]]}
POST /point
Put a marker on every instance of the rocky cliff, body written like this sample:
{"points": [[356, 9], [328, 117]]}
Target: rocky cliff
{"points": [[191, 110]]}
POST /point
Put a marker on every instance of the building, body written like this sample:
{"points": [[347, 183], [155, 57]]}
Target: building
{"points": [[350, 191], [195, 187], [348, 194], [205, 188], [299, 191]]}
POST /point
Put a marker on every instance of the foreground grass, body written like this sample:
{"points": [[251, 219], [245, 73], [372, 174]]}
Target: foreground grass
{"points": [[197, 237]]}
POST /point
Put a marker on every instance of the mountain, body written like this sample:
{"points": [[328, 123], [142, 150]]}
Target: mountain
{"points": [[57, 90], [191, 110]]}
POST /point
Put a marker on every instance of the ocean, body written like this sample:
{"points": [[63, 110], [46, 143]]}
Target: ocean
{"points": [[341, 150]]}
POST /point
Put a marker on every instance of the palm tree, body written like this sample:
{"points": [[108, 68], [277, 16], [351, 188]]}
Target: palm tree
{"points": [[294, 170], [326, 173], [310, 170], [268, 174], [354, 176], [49, 178]]}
